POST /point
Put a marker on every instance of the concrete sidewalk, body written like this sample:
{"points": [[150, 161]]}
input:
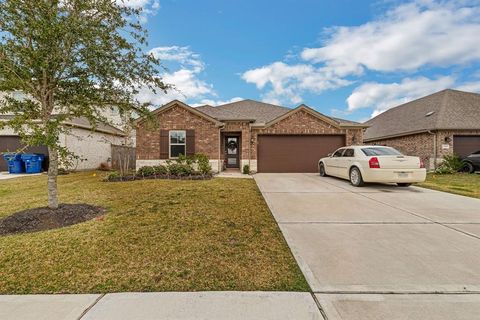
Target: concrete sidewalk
{"points": [[162, 305], [8, 176]]}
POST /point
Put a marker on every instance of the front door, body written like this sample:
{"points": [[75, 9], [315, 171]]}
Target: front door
{"points": [[232, 152]]}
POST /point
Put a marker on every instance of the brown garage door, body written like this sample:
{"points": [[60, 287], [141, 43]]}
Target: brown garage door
{"points": [[464, 145], [14, 143], [295, 153]]}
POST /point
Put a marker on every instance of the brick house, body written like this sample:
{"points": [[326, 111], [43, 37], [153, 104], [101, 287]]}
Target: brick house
{"points": [[431, 127], [266, 137]]}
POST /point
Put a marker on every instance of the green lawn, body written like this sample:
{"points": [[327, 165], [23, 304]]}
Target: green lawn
{"points": [[460, 183], [158, 235]]}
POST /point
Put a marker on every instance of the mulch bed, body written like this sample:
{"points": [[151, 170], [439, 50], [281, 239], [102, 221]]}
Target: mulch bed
{"points": [[44, 218], [163, 176]]}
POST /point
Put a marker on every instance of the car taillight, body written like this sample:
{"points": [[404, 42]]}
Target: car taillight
{"points": [[422, 164], [373, 163]]}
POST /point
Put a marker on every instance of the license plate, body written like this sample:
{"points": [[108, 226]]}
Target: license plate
{"points": [[403, 174]]}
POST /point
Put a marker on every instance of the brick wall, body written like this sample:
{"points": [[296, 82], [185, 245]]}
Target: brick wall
{"points": [[302, 122], [244, 129], [422, 145], [177, 118]]}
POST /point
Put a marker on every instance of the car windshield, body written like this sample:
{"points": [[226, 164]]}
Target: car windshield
{"points": [[379, 151]]}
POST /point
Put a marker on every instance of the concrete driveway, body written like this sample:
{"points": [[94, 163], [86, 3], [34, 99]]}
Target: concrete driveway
{"points": [[380, 252]]}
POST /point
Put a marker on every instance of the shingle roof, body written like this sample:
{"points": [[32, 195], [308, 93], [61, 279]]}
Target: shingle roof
{"points": [[255, 111], [448, 109], [245, 110], [83, 122]]}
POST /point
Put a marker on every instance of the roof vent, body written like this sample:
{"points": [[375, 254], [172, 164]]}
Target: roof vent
{"points": [[429, 113]]}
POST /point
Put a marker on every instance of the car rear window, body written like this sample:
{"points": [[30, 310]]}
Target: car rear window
{"points": [[379, 151]]}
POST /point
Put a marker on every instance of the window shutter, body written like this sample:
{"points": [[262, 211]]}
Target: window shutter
{"points": [[190, 142], [164, 145]]}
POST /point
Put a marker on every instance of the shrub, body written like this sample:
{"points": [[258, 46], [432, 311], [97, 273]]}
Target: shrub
{"points": [[146, 171], [159, 170], [203, 164], [450, 164], [246, 169], [112, 176], [179, 169], [104, 166]]}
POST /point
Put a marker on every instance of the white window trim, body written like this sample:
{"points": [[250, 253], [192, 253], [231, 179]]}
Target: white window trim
{"points": [[170, 144]]}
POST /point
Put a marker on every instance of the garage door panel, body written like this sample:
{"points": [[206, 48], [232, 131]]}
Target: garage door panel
{"points": [[465, 145], [295, 153]]}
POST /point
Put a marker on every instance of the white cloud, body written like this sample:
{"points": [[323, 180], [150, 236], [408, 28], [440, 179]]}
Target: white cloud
{"points": [[186, 78], [148, 7], [383, 96], [473, 86], [139, 4], [408, 37], [213, 102], [289, 82]]}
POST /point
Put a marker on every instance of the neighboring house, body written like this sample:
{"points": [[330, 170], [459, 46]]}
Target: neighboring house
{"points": [[266, 137], [92, 146], [431, 127]]}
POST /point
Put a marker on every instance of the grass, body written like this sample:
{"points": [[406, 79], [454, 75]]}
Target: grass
{"points": [[459, 183], [158, 235]]}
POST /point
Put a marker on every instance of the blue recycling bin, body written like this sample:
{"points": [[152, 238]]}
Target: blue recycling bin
{"points": [[33, 162], [15, 163]]}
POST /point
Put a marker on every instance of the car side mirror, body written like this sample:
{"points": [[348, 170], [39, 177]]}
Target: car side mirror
{"points": [[330, 155]]}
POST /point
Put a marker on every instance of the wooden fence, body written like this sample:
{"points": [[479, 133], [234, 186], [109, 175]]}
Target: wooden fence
{"points": [[123, 157]]}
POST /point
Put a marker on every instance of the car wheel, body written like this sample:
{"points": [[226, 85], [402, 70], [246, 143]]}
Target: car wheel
{"points": [[356, 177], [404, 184], [468, 168], [321, 170]]}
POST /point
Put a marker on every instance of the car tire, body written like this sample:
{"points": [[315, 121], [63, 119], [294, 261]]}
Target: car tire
{"points": [[356, 177], [321, 170], [404, 184], [468, 168]]}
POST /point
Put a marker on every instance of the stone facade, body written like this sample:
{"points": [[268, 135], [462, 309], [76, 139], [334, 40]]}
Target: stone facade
{"points": [[209, 138], [423, 145]]}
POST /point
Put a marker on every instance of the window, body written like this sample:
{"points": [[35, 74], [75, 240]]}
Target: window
{"points": [[177, 139], [338, 153], [380, 151], [348, 153]]}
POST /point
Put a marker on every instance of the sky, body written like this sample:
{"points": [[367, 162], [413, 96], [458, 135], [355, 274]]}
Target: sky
{"points": [[347, 59]]}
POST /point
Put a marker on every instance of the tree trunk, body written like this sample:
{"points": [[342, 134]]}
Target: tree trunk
{"points": [[52, 178]]}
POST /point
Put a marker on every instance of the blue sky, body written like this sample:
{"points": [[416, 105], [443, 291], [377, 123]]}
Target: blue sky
{"points": [[350, 59]]}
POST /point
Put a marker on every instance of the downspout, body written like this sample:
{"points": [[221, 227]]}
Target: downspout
{"points": [[220, 149], [434, 148], [249, 144]]}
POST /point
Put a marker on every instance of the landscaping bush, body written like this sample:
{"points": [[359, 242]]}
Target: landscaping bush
{"points": [[112, 176], [450, 164], [160, 169], [246, 169], [203, 163], [146, 171], [193, 168], [179, 169]]}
